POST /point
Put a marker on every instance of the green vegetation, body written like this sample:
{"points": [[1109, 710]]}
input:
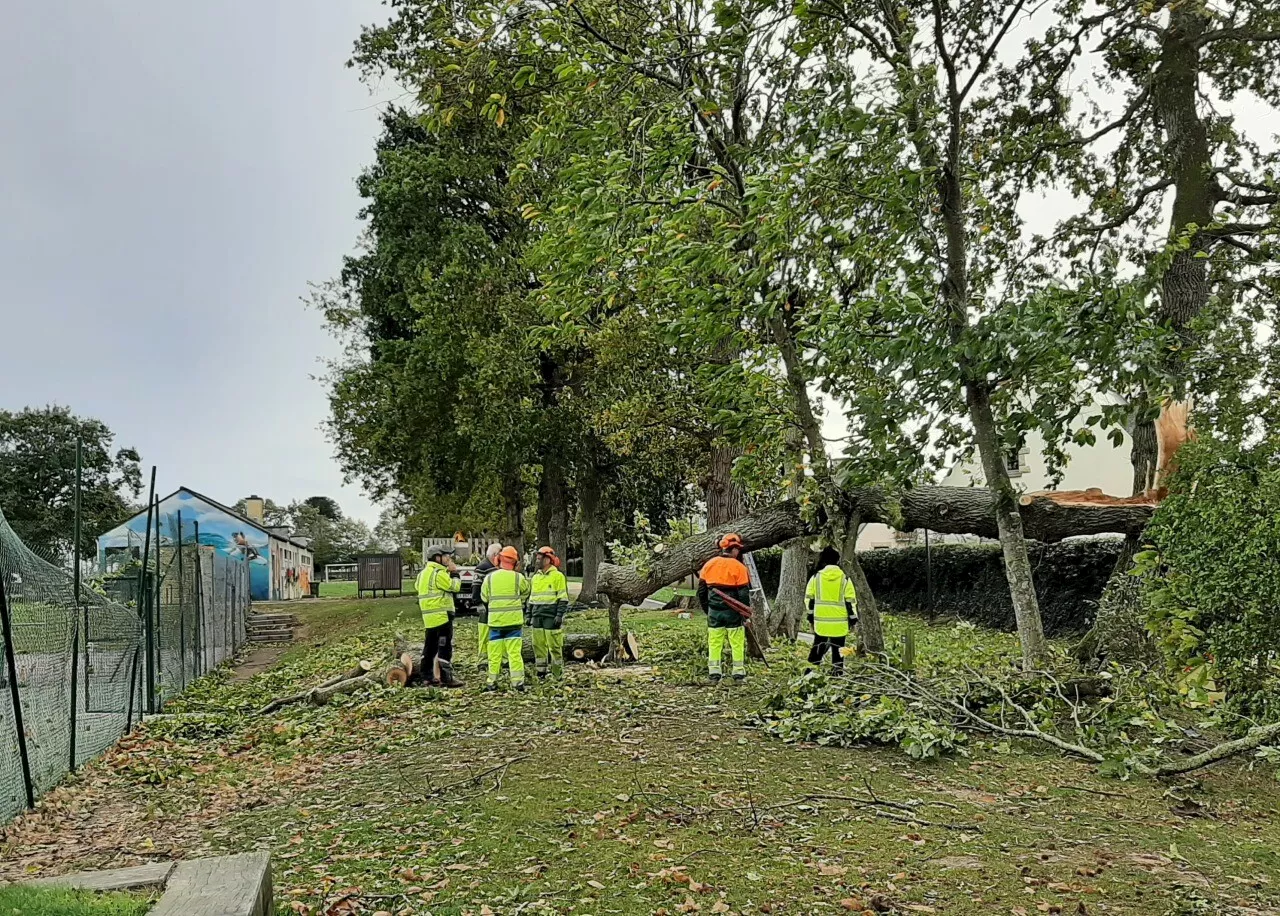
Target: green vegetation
{"points": [[1209, 580], [640, 792], [41, 901]]}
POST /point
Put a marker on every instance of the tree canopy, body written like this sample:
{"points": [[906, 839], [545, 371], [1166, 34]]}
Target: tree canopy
{"points": [[38, 479]]}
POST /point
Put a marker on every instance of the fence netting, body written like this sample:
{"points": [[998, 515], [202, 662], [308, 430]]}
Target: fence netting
{"points": [[77, 675]]}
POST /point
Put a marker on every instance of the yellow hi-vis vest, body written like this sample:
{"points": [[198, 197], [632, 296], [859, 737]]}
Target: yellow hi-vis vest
{"points": [[830, 590], [435, 594], [548, 587], [504, 591]]}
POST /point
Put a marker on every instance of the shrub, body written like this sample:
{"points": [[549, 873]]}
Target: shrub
{"points": [[969, 582], [1210, 579]]}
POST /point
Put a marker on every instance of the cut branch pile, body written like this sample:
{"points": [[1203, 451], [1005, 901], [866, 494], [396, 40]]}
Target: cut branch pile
{"points": [[1010, 719]]}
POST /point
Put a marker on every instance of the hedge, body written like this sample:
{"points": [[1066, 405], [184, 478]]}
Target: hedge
{"points": [[969, 582]]}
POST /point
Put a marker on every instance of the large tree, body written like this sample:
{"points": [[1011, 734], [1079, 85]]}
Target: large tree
{"points": [[38, 479], [1184, 190]]}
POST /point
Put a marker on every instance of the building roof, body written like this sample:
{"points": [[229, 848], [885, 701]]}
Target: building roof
{"points": [[232, 512]]}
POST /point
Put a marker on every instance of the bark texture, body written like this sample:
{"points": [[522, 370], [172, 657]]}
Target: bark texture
{"points": [[1013, 543], [513, 509], [591, 527], [553, 505], [870, 631], [789, 606]]}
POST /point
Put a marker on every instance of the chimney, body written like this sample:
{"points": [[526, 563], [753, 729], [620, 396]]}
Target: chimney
{"points": [[253, 508]]}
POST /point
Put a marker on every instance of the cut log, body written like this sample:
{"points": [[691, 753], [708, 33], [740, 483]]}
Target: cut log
{"points": [[947, 510], [409, 663], [322, 695], [397, 675], [578, 647], [631, 646], [360, 669]]}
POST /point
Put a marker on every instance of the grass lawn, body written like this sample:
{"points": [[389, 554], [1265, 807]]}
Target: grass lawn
{"points": [[639, 794], [33, 901], [348, 589]]}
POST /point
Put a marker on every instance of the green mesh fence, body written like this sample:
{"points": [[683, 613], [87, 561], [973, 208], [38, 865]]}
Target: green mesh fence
{"points": [[79, 676], [47, 653]]}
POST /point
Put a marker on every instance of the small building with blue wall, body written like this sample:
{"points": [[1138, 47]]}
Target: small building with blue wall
{"points": [[279, 565]]}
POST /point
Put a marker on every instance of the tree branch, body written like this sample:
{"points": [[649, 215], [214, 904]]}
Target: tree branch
{"points": [[1239, 33], [991, 48]]}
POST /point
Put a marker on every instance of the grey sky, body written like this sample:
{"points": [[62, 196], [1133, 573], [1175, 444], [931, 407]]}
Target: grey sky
{"points": [[172, 175]]}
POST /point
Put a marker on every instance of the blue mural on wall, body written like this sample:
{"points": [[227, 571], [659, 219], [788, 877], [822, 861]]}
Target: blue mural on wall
{"points": [[224, 531]]}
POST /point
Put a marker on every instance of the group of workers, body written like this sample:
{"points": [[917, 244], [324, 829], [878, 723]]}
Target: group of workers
{"points": [[508, 601]]}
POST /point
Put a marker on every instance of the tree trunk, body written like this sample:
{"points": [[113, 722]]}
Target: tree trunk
{"points": [[513, 509], [946, 510], [789, 606], [592, 531], [1120, 631], [553, 506], [870, 631], [616, 651], [723, 496], [1017, 564]]}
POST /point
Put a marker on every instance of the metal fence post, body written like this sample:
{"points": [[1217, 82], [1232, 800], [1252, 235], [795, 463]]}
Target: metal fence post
{"points": [[75, 612], [199, 621], [157, 610], [182, 616], [144, 592], [12, 664]]}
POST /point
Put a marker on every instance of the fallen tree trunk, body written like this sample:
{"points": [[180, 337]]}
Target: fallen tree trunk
{"points": [[947, 510]]}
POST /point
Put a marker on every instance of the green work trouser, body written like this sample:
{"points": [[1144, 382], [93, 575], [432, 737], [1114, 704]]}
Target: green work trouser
{"points": [[737, 645], [482, 643], [510, 647], [548, 647]]}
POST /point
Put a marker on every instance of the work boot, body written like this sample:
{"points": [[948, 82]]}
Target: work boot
{"points": [[714, 679], [491, 687], [739, 678], [447, 677]]}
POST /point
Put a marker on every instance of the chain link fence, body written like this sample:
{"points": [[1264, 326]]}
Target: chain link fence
{"points": [[77, 673]]}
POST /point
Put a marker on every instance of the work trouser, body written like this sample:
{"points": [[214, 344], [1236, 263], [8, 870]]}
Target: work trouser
{"points": [[548, 649], [482, 643], [506, 641], [737, 645], [438, 644], [821, 644]]}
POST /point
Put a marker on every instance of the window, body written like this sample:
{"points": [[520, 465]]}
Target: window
{"points": [[1015, 461]]}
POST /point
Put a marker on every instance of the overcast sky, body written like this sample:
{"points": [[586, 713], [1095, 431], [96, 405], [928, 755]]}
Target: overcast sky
{"points": [[172, 176]]}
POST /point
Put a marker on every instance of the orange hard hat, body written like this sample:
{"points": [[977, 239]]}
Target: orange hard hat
{"points": [[547, 551], [731, 540], [510, 553]]}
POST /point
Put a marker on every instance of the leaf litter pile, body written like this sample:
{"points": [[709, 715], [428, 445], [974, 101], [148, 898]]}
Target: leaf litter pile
{"points": [[650, 794]]}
